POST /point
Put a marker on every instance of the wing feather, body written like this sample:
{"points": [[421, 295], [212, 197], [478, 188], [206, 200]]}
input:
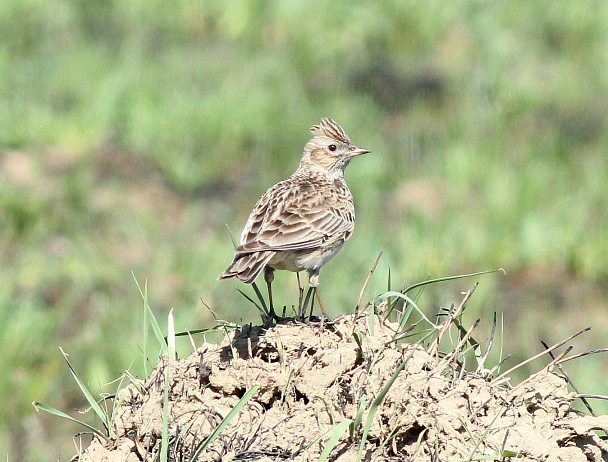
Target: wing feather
{"points": [[303, 219]]}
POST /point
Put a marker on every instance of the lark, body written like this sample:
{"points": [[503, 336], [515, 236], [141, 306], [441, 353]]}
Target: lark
{"points": [[301, 223]]}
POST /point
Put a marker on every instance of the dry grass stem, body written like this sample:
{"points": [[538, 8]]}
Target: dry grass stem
{"points": [[367, 279], [536, 356], [434, 349]]}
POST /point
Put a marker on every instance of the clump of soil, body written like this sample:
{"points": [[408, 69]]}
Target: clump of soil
{"points": [[312, 377]]}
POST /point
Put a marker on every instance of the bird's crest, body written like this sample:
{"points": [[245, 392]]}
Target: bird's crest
{"points": [[330, 128]]}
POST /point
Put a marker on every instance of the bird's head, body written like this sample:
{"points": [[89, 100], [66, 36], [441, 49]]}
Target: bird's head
{"points": [[330, 149]]}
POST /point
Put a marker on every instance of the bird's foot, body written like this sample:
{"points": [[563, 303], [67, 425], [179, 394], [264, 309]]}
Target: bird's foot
{"points": [[273, 319]]}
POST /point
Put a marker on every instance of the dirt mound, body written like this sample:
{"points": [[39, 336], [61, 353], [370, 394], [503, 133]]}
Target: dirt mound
{"points": [[319, 386]]}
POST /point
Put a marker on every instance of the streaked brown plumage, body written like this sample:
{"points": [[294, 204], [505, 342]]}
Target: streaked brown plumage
{"points": [[301, 222]]}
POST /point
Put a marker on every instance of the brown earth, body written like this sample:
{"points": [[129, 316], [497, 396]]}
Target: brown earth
{"points": [[312, 377]]}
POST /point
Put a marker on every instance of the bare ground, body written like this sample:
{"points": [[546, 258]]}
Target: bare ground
{"points": [[312, 377]]}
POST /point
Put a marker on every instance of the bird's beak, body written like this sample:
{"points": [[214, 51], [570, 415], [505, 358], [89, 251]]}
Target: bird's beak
{"points": [[357, 152]]}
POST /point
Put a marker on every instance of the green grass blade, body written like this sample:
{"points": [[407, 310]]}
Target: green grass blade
{"points": [[164, 445], [450, 278], [405, 316], [360, 410], [337, 433], [224, 423], [394, 303], [409, 300], [378, 401], [484, 434], [158, 333], [387, 440], [150, 319], [260, 297], [359, 341], [118, 398], [209, 330], [58, 413], [260, 309], [87, 394], [192, 342], [144, 296], [146, 327], [164, 448], [234, 243]]}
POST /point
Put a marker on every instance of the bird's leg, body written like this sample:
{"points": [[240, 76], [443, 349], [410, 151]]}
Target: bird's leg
{"points": [[313, 284], [305, 305], [269, 277], [320, 302], [300, 294]]}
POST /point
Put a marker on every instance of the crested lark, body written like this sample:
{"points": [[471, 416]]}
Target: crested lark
{"points": [[301, 223]]}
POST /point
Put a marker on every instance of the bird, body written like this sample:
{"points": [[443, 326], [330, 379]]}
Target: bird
{"points": [[301, 223]]}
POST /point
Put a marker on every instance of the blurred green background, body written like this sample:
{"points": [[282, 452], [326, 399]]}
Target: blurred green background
{"points": [[132, 132]]}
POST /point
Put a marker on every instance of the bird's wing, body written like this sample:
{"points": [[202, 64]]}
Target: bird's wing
{"points": [[291, 220]]}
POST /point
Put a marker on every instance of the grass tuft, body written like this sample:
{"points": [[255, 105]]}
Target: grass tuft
{"points": [[225, 422], [446, 345]]}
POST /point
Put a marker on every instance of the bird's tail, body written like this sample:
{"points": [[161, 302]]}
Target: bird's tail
{"points": [[247, 266]]}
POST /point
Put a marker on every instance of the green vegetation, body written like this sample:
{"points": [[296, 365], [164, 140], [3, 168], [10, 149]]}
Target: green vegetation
{"points": [[400, 387], [132, 132]]}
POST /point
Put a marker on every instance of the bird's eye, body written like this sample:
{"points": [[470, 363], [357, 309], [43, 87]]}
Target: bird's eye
{"points": [[332, 147]]}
